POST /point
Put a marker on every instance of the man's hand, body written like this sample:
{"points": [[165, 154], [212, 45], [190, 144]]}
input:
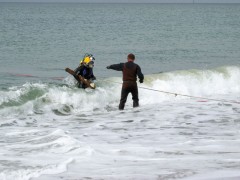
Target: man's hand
{"points": [[141, 81], [108, 67]]}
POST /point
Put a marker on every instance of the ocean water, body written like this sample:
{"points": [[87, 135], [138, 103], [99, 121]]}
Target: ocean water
{"points": [[51, 130]]}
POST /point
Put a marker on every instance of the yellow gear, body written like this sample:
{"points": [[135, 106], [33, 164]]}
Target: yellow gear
{"points": [[86, 60]]}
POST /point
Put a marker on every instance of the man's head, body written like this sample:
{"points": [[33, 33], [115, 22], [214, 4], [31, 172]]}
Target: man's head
{"points": [[131, 57]]}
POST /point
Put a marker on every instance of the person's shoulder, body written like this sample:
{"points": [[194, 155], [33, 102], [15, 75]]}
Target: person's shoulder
{"points": [[136, 64]]}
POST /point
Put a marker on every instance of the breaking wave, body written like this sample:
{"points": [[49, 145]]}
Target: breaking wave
{"points": [[61, 100], [36, 115]]}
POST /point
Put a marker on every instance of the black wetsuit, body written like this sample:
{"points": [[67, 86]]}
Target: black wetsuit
{"points": [[86, 73], [130, 72]]}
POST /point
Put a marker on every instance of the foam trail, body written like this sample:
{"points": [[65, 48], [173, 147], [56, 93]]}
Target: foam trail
{"points": [[27, 174]]}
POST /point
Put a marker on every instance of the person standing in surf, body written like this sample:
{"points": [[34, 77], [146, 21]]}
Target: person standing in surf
{"points": [[130, 72]]}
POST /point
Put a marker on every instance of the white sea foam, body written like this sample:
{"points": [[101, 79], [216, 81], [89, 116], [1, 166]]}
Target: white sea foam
{"points": [[206, 83], [167, 137], [26, 174]]}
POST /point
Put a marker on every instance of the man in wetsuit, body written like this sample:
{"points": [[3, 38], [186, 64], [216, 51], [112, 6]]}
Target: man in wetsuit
{"points": [[130, 72], [85, 69]]}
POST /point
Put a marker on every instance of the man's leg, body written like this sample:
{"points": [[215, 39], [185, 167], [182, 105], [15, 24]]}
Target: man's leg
{"points": [[124, 95], [135, 99]]}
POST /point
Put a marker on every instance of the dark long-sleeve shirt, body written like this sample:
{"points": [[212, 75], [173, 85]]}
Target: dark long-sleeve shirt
{"points": [[85, 72], [128, 65]]}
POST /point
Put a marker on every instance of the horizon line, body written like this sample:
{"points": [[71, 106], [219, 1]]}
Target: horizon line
{"points": [[41, 2]]}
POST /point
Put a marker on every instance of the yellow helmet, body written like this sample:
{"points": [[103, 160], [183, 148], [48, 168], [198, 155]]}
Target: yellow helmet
{"points": [[88, 61]]}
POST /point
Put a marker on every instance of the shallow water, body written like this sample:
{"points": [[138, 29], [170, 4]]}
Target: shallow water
{"points": [[50, 129]]}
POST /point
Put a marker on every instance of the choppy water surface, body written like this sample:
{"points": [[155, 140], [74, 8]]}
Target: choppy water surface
{"points": [[49, 129]]}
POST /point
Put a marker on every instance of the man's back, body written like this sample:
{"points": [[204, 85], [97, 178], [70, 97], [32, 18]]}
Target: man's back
{"points": [[130, 71]]}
